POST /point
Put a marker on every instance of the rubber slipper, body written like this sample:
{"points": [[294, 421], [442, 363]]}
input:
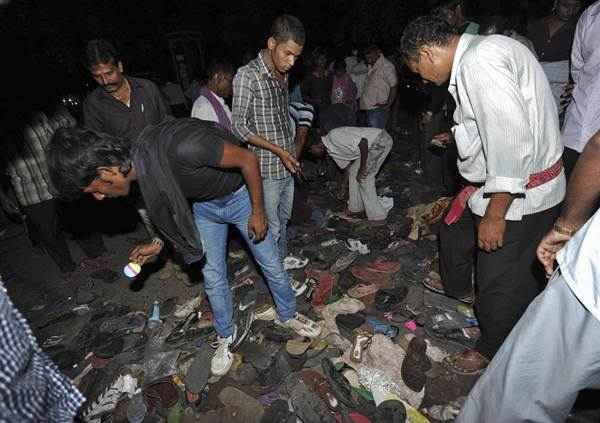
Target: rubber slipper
{"points": [[292, 262], [325, 281], [382, 327], [344, 261], [198, 373], [133, 322], [390, 411], [415, 365], [160, 395], [387, 299], [382, 265], [318, 384], [380, 279], [360, 342], [362, 290], [474, 360], [346, 323], [297, 346]]}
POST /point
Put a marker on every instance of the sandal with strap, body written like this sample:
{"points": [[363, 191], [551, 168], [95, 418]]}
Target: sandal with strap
{"points": [[467, 363]]}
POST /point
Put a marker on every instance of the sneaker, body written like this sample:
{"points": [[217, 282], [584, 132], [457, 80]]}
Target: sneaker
{"points": [[183, 310], [223, 358], [302, 325], [298, 287]]}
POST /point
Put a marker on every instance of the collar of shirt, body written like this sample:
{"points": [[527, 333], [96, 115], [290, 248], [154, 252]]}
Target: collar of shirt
{"points": [[461, 48], [134, 84], [264, 69]]}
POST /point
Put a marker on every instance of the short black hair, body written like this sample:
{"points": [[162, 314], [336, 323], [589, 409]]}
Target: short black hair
{"points": [[425, 31], [219, 65], [339, 64], [288, 27], [100, 51], [75, 154]]}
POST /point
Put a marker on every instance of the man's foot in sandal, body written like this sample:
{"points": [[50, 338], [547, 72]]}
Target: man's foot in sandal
{"points": [[469, 362], [433, 282]]}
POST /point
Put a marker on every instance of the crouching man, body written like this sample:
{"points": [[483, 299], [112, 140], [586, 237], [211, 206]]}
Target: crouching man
{"points": [[362, 151], [177, 163]]}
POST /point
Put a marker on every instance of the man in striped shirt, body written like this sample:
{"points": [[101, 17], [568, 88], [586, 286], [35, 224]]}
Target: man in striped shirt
{"points": [[509, 150], [261, 118]]}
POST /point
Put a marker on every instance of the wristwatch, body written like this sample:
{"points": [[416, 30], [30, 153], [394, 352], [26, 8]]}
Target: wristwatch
{"points": [[562, 229]]}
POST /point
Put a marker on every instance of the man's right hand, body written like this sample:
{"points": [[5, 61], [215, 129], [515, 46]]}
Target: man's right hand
{"points": [[549, 246], [144, 252], [443, 138], [289, 161]]}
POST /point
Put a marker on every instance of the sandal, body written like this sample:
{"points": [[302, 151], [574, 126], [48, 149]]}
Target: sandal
{"points": [[344, 261], [362, 290], [318, 384], [360, 342], [467, 363], [433, 282], [382, 265]]}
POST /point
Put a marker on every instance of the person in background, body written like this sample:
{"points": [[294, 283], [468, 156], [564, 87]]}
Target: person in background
{"points": [[455, 12], [380, 88], [25, 164], [316, 86], [343, 90], [121, 105], [499, 24], [582, 118], [210, 104], [552, 37]]}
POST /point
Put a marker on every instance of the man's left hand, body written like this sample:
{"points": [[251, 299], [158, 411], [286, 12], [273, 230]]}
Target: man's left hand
{"points": [[491, 233], [361, 175], [257, 226]]}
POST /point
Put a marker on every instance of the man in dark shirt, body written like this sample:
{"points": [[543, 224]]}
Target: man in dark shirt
{"points": [[175, 162], [121, 106]]}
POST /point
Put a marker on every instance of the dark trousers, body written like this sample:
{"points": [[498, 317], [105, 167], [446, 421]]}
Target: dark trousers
{"points": [[44, 222], [508, 279], [570, 158]]}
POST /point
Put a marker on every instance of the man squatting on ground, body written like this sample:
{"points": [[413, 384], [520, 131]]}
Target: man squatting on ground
{"points": [[175, 162]]}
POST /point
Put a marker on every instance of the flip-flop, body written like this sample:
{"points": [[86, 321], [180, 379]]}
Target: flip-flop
{"points": [[387, 299], [298, 346], [379, 326], [452, 363], [344, 261], [319, 385], [382, 265], [362, 290]]}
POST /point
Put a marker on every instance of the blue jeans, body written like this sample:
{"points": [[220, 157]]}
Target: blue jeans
{"points": [[279, 200], [377, 118], [212, 220]]}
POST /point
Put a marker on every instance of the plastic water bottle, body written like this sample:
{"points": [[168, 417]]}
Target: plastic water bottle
{"points": [[154, 319]]}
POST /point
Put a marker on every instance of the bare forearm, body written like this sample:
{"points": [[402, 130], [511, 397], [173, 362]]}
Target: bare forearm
{"points": [[583, 190], [251, 173], [301, 137], [392, 96], [498, 205], [261, 142], [364, 153]]}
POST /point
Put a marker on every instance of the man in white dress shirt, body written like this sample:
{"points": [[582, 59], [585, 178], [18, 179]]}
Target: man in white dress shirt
{"points": [[210, 104], [509, 149], [552, 353]]}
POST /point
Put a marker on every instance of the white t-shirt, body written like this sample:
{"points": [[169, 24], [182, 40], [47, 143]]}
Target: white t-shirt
{"points": [[202, 109], [342, 143], [579, 264]]}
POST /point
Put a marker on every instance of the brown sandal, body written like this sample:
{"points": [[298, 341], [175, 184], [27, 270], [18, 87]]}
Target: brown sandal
{"points": [[467, 363]]}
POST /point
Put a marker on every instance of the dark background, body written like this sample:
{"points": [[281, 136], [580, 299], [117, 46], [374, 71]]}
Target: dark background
{"points": [[42, 40]]}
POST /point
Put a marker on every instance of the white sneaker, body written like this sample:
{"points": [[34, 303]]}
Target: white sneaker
{"points": [[183, 310], [223, 358], [302, 325], [298, 287]]}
